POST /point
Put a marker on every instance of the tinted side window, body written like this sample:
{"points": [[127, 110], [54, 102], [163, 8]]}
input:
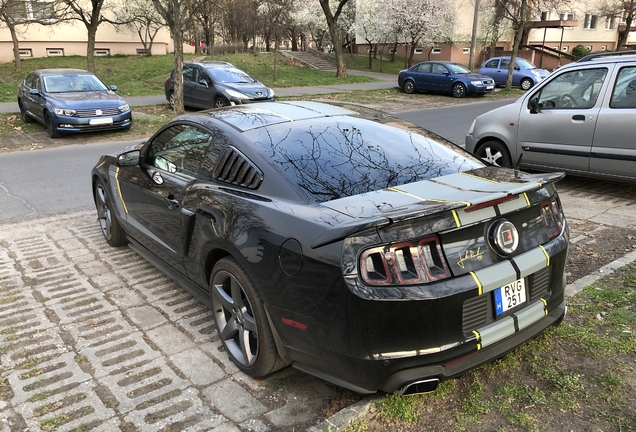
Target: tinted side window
{"points": [[179, 149], [573, 90], [439, 69], [189, 73], [505, 64], [492, 64], [28, 81], [624, 94]]}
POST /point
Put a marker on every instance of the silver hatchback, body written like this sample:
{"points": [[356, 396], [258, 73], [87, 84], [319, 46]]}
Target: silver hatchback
{"points": [[581, 120]]}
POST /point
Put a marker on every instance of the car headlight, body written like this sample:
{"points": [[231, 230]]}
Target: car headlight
{"points": [[238, 95], [62, 111], [123, 108]]}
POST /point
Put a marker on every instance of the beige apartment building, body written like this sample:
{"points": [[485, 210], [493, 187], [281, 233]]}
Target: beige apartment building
{"points": [[557, 30]]}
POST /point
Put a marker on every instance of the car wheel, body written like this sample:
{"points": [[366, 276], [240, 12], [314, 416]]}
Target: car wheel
{"points": [[171, 100], [526, 84], [108, 222], [50, 128], [496, 153], [23, 114], [409, 87], [220, 102], [241, 320], [459, 90]]}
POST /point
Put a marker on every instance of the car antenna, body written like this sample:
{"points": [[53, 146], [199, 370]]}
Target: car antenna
{"points": [[517, 165]]}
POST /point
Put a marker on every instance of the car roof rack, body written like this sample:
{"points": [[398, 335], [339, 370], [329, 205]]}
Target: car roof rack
{"points": [[606, 54]]}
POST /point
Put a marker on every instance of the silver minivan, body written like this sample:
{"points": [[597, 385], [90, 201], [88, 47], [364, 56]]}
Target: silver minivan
{"points": [[581, 120]]}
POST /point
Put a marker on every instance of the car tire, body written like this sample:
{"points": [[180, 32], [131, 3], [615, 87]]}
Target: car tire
{"points": [[496, 153], [171, 100], [526, 84], [108, 221], [219, 102], [409, 86], [26, 118], [241, 321], [48, 122], [459, 90]]}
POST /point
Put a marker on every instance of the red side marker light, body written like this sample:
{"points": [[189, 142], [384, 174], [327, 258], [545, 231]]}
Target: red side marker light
{"points": [[293, 323]]}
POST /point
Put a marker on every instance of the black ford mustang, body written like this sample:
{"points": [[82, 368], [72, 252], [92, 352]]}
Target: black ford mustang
{"points": [[345, 242]]}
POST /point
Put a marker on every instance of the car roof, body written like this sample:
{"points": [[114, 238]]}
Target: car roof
{"points": [[210, 64], [611, 56], [61, 71]]}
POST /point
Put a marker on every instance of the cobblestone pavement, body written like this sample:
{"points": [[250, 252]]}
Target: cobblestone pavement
{"points": [[95, 338]]}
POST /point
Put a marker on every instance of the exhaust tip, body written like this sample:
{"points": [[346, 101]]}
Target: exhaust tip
{"points": [[418, 387]]}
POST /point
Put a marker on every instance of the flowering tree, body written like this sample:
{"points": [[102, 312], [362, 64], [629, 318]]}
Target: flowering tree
{"points": [[309, 16], [620, 10], [372, 25], [422, 22]]}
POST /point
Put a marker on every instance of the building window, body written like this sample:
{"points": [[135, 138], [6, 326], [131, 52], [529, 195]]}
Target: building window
{"points": [[141, 51], [603, 48], [436, 51], [26, 52], [102, 52], [466, 50], [610, 23], [566, 16], [590, 21], [418, 51], [589, 47], [55, 52], [565, 48], [545, 16]]}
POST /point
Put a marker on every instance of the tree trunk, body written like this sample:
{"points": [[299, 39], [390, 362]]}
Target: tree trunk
{"points": [[334, 32], [515, 49], [622, 37], [16, 45], [90, 50]]}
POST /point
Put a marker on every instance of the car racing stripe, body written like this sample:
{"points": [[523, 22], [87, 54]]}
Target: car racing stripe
{"points": [[495, 276], [530, 314], [477, 339], [121, 198], [457, 221], [480, 289], [497, 331]]}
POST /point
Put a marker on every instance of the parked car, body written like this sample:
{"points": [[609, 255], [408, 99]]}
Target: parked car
{"points": [[525, 75], [350, 244], [214, 84], [71, 100], [445, 77], [579, 120]]}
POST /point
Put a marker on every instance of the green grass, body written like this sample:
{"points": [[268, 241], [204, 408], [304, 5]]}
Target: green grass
{"points": [[142, 76]]}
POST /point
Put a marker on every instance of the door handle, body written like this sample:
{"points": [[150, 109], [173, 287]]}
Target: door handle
{"points": [[579, 117], [172, 203]]}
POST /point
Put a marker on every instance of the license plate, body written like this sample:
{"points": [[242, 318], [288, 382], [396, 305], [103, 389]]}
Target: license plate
{"points": [[101, 121], [490, 87], [510, 296]]}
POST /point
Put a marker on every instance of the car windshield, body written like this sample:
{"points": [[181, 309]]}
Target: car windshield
{"points": [[457, 68], [525, 64], [336, 159], [230, 75], [72, 83]]}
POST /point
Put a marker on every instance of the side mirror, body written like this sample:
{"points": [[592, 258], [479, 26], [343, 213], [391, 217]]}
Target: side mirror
{"points": [[34, 91], [534, 105], [113, 88], [130, 158], [203, 83]]}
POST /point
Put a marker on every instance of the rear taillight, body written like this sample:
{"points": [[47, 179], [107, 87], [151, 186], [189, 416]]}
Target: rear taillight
{"points": [[553, 217], [404, 263]]}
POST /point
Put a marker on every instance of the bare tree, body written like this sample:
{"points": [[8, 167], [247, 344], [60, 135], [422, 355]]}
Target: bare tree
{"points": [[175, 14], [18, 14], [623, 11], [142, 16], [334, 31]]}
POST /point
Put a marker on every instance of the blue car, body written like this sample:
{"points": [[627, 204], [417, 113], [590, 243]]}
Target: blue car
{"points": [[526, 75], [71, 100], [444, 77]]}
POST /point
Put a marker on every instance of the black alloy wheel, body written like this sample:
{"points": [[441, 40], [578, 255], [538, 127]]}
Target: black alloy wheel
{"points": [[26, 118], [241, 320], [50, 128], [496, 153], [459, 90], [220, 102], [409, 86], [108, 221]]}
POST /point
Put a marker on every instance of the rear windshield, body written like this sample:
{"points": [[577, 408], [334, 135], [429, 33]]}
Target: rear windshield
{"points": [[331, 159]]}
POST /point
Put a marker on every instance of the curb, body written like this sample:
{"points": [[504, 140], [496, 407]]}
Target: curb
{"points": [[363, 409]]}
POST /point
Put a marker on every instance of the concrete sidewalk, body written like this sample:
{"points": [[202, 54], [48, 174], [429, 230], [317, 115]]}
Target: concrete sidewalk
{"points": [[386, 81]]}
